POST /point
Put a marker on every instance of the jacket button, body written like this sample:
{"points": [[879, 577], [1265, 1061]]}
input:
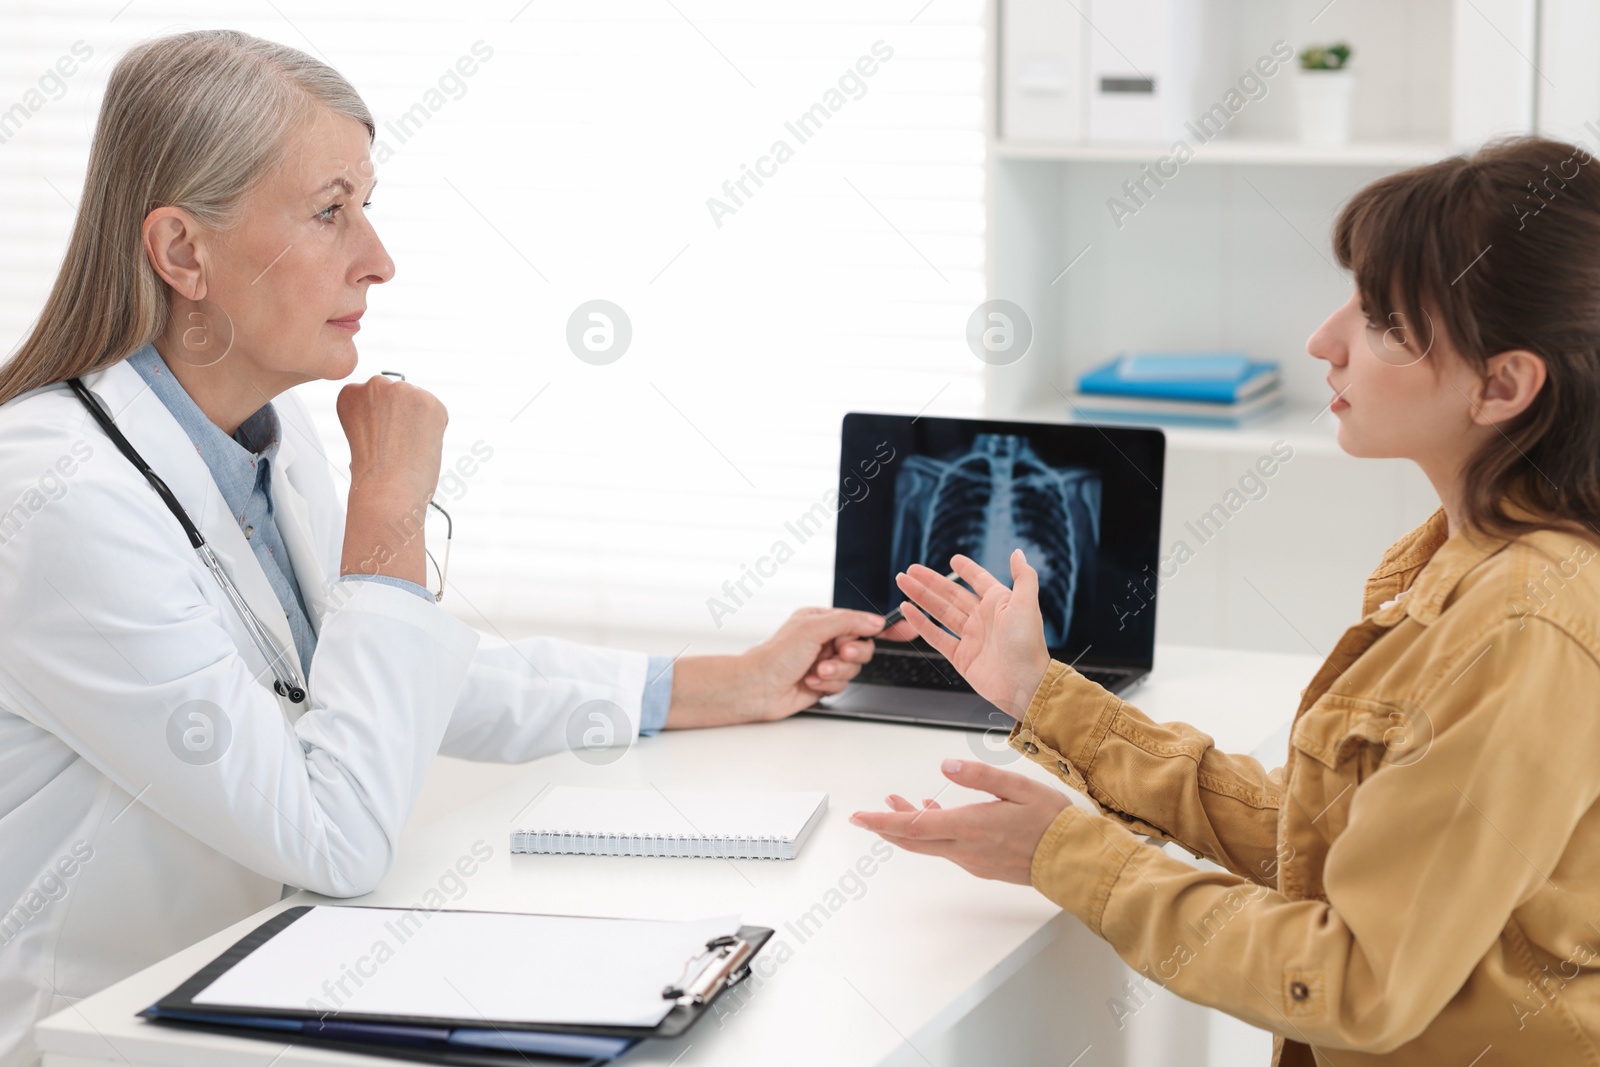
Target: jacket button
{"points": [[1063, 765], [248, 530], [1030, 748], [1299, 990]]}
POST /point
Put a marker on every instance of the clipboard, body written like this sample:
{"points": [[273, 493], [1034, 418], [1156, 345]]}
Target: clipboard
{"points": [[722, 963]]}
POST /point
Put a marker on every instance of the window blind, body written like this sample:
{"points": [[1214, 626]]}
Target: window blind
{"points": [[785, 201]]}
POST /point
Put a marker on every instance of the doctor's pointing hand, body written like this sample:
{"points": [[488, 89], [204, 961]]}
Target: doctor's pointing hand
{"points": [[221, 669]]}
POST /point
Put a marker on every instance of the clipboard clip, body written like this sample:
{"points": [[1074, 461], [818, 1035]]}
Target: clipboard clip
{"points": [[725, 962]]}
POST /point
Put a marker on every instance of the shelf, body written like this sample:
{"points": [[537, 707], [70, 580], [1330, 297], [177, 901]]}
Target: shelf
{"points": [[1302, 426], [1289, 153]]}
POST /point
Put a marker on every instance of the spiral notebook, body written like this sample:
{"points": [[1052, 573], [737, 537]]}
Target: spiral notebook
{"points": [[680, 823]]}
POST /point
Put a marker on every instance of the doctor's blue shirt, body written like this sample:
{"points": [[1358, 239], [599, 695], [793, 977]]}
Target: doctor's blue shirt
{"points": [[242, 466]]}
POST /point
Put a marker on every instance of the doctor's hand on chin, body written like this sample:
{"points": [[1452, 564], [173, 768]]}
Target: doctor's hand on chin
{"points": [[815, 653]]}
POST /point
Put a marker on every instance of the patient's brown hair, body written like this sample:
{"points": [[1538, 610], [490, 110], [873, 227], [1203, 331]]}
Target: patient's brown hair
{"points": [[1499, 250]]}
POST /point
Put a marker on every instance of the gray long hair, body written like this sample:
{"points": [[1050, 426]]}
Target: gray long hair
{"points": [[194, 121]]}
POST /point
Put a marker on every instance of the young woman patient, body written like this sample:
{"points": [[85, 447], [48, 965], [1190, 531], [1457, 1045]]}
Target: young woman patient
{"points": [[1420, 881]]}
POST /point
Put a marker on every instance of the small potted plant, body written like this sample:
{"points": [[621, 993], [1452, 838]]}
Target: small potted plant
{"points": [[1323, 90]]}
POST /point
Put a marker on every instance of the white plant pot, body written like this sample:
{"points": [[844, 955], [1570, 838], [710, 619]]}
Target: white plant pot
{"points": [[1323, 98]]}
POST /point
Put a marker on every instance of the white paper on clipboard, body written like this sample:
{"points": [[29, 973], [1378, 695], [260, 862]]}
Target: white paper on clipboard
{"points": [[468, 965]]}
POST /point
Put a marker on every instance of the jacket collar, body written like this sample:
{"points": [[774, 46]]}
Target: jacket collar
{"points": [[281, 444], [1420, 571], [152, 430], [298, 448], [234, 461]]}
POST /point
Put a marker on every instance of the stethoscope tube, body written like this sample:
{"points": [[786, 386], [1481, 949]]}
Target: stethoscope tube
{"points": [[287, 681]]}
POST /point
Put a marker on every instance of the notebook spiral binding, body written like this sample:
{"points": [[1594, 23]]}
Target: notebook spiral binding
{"points": [[682, 846]]}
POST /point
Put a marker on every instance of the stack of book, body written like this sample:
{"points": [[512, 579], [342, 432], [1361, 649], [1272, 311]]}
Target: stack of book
{"points": [[1208, 388]]}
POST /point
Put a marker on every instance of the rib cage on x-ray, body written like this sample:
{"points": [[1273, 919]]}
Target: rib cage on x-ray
{"points": [[997, 496]]}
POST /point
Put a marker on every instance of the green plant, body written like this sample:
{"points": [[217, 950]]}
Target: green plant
{"points": [[1333, 57]]}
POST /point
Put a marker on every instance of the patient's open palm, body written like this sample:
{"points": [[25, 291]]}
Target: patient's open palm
{"points": [[999, 634]]}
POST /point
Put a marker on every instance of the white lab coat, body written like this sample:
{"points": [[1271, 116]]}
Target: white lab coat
{"points": [[117, 851]]}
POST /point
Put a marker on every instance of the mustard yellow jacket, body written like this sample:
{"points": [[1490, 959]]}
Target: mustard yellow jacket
{"points": [[1420, 882]]}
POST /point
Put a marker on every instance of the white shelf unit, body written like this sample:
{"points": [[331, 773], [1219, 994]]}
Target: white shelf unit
{"points": [[1232, 252]]}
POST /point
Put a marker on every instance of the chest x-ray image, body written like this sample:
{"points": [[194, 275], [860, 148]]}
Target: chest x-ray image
{"points": [[997, 496]]}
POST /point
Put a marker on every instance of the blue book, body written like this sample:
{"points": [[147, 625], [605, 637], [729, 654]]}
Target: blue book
{"points": [[1096, 407], [1183, 366], [1220, 377]]}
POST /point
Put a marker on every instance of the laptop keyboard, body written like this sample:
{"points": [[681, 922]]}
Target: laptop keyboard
{"points": [[913, 670], [930, 670]]}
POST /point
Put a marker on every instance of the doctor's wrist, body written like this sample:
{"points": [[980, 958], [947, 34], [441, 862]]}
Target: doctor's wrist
{"points": [[383, 533], [713, 691]]}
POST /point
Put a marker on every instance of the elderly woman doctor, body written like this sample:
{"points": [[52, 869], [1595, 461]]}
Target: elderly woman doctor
{"points": [[223, 211]]}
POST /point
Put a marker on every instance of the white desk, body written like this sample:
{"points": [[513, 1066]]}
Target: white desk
{"points": [[918, 963]]}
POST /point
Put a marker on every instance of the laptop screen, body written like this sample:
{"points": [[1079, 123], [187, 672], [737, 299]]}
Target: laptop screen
{"points": [[1083, 502]]}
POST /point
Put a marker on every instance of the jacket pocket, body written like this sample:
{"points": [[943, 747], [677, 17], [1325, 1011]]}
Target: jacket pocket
{"points": [[1336, 728], [1336, 744]]}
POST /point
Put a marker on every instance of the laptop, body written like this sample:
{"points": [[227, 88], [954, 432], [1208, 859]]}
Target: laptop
{"points": [[1084, 503]]}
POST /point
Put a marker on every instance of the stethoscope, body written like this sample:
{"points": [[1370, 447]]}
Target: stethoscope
{"points": [[287, 681]]}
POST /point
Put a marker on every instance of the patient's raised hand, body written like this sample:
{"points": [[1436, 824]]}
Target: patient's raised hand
{"points": [[999, 634]]}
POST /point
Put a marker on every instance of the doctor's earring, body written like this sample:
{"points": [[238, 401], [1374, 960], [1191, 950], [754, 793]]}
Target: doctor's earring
{"points": [[207, 337]]}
